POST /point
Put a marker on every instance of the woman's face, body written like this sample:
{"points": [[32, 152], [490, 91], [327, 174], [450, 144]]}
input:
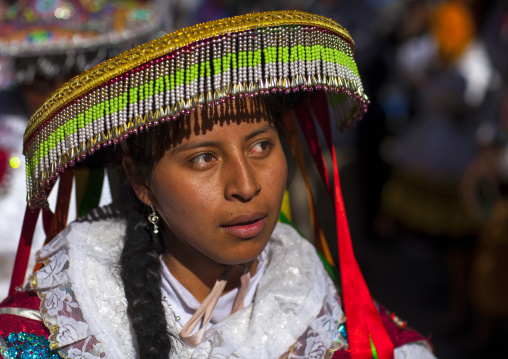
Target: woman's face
{"points": [[219, 189]]}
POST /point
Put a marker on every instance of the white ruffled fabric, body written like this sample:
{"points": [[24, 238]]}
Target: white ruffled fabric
{"points": [[294, 314]]}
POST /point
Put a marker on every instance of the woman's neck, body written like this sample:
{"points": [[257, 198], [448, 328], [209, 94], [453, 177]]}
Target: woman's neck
{"points": [[199, 276]]}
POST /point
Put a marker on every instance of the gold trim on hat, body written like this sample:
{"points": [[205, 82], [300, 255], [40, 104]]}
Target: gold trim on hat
{"points": [[126, 61]]}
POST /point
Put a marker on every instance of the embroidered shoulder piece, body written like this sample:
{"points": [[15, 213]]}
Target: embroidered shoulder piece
{"points": [[408, 342], [69, 332], [22, 333], [26, 346], [312, 344], [82, 297]]}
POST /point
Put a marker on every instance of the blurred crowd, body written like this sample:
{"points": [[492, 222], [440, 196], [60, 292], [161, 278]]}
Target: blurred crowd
{"points": [[424, 175]]}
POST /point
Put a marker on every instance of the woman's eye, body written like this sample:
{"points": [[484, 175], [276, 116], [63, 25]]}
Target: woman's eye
{"points": [[262, 147], [202, 159]]}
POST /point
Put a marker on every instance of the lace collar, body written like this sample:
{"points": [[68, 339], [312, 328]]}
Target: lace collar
{"points": [[295, 307]]}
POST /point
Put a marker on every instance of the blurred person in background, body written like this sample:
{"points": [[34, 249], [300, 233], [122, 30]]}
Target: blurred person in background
{"points": [[42, 45], [446, 81], [485, 193]]}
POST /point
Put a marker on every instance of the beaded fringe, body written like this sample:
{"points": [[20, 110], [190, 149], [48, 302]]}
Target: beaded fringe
{"points": [[258, 61]]}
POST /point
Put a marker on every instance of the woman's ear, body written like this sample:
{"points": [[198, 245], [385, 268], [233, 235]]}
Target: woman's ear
{"points": [[140, 187]]}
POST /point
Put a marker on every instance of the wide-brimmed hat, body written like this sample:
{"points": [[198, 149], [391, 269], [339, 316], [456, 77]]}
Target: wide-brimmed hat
{"points": [[287, 52], [203, 64]]}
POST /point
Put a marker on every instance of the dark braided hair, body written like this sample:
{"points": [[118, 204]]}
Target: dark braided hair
{"points": [[141, 274], [140, 263]]}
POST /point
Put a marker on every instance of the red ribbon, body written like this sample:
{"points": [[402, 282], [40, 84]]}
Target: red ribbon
{"points": [[24, 246], [304, 116], [59, 220], [363, 320], [54, 223]]}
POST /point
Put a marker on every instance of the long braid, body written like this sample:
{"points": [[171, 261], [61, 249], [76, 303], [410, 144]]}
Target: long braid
{"points": [[141, 274]]}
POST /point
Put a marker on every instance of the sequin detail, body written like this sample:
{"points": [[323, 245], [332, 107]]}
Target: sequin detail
{"points": [[26, 346]]}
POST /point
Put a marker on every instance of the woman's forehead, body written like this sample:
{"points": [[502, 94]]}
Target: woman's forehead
{"points": [[229, 112], [227, 135], [227, 116]]}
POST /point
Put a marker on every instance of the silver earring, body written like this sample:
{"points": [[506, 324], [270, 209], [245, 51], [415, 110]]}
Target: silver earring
{"points": [[153, 218]]}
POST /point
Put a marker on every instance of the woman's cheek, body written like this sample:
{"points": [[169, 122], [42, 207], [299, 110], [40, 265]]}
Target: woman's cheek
{"points": [[278, 175]]}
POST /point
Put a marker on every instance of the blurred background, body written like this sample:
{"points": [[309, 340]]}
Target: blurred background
{"points": [[424, 174]]}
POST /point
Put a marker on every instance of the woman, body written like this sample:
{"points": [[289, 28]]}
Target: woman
{"points": [[199, 267]]}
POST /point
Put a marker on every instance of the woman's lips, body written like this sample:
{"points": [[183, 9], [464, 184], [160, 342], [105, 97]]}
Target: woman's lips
{"points": [[246, 227]]}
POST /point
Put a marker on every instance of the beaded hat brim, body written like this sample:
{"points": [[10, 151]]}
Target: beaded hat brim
{"points": [[254, 54]]}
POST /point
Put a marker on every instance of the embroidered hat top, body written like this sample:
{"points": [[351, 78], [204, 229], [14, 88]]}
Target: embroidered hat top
{"points": [[51, 37]]}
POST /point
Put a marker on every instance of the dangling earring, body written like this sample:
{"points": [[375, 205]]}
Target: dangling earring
{"points": [[153, 218]]}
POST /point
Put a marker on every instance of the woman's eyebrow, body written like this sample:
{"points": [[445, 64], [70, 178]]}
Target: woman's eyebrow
{"points": [[192, 145], [259, 131]]}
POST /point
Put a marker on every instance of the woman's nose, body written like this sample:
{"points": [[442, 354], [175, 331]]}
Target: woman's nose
{"points": [[241, 182]]}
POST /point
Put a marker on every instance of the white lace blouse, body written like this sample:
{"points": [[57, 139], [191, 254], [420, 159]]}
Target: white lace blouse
{"points": [[295, 305]]}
